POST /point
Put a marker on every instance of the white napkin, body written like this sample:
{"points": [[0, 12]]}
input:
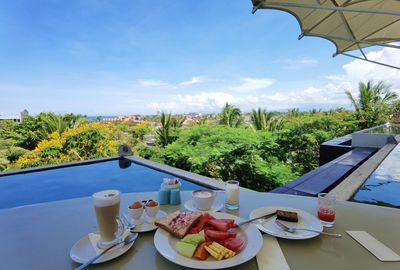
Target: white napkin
{"points": [[94, 238], [271, 256], [378, 249]]}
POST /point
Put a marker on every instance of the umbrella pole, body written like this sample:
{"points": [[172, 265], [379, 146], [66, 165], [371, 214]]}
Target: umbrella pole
{"points": [[371, 61]]}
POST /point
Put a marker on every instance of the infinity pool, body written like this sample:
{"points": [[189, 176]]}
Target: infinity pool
{"points": [[79, 181], [383, 186]]}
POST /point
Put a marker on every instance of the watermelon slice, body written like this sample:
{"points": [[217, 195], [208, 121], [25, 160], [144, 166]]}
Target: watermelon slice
{"points": [[200, 225], [233, 243], [222, 224], [219, 235]]}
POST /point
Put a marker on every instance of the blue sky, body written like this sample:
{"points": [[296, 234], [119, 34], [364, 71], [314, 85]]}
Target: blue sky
{"points": [[129, 57]]}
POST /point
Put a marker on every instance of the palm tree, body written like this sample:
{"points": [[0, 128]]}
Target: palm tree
{"points": [[52, 122], [263, 120], [373, 104], [231, 116], [177, 121], [166, 131]]}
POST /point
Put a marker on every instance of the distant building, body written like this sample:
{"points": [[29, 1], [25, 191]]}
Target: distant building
{"points": [[24, 113], [135, 119], [15, 118], [247, 118]]}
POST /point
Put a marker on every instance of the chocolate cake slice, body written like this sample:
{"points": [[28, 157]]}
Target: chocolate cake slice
{"points": [[287, 215]]}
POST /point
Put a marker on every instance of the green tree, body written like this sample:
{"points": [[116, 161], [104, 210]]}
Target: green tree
{"points": [[229, 153], [88, 141], [29, 133], [374, 103], [167, 131], [302, 136], [52, 122], [231, 116], [263, 120], [32, 130]]}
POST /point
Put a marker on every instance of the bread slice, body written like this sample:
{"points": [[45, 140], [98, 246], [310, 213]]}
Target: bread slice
{"points": [[179, 223], [287, 215]]}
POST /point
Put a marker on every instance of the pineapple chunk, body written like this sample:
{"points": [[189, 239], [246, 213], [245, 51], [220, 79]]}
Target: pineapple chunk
{"points": [[220, 252]]}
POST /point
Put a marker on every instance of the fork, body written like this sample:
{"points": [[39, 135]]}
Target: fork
{"points": [[293, 229]]}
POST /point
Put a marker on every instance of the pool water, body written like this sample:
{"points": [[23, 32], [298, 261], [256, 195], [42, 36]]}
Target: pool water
{"points": [[383, 186], [80, 181]]}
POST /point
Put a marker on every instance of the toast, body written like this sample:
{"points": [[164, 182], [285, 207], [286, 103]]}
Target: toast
{"points": [[287, 215], [178, 223]]}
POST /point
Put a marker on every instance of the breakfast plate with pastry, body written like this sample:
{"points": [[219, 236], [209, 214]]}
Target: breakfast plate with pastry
{"points": [[206, 240], [290, 217]]}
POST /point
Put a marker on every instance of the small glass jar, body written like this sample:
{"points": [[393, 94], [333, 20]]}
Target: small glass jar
{"points": [[232, 195]]}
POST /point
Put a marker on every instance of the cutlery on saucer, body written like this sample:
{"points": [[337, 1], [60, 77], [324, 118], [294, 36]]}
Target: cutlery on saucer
{"points": [[129, 239]]}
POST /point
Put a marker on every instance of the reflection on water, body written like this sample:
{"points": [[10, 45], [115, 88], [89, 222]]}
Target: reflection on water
{"points": [[386, 129], [383, 186]]}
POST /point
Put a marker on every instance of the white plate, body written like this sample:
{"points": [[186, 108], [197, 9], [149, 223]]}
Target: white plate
{"points": [[214, 208], [165, 244], [306, 220], [83, 251], [146, 226]]}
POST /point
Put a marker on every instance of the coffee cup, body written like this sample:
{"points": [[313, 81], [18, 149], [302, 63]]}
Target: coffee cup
{"points": [[203, 199], [111, 228]]}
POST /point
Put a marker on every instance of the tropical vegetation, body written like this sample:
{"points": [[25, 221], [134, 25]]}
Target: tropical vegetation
{"points": [[261, 149]]}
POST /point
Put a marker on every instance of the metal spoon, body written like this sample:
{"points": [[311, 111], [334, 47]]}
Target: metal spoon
{"points": [[129, 239], [130, 225]]}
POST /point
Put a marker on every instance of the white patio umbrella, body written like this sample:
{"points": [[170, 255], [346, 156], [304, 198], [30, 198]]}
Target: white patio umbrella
{"points": [[349, 24]]}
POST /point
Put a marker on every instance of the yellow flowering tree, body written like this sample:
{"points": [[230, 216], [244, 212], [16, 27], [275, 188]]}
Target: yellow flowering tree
{"points": [[88, 141]]}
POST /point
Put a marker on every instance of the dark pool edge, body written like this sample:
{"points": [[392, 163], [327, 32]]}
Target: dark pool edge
{"points": [[58, 166], [349, 186]]}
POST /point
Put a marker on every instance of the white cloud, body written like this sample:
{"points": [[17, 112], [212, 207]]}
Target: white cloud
{"points": [[158, 83], [152, 83], [335, 77], [299, 62], [329, 95], [194, 80], [359, 70], [326, 96], [252, 84], [163, 106], [204, 101]]}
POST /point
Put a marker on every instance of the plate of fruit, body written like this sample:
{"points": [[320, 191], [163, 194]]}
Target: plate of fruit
{"points": [[206, 240]]}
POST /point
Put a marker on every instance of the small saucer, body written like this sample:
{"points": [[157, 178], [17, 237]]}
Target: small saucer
{"points": [[83, 250], [214, 208], [147, 226]]}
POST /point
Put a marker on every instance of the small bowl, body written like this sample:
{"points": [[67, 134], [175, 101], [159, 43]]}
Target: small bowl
{"points": [[136, 214], [152, 211]]}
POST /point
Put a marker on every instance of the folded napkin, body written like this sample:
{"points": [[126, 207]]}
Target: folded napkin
{"points": [[94, 238], [271, 256], [378, 249]]}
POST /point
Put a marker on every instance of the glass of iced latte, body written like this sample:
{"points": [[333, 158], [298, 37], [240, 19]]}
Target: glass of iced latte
{"points": [[111, 228]]}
